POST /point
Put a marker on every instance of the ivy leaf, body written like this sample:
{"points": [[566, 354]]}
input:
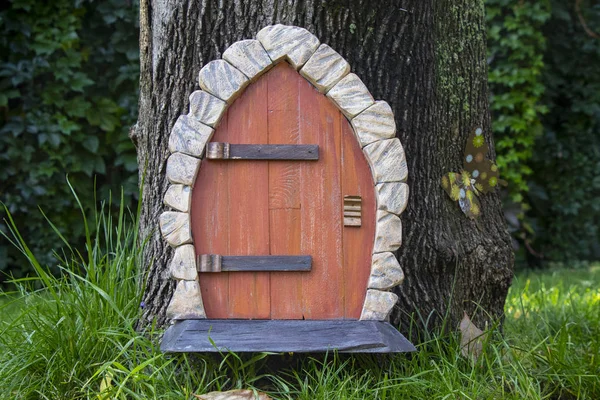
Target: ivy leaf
{"points": [[87, 168], [67, 126], [91, 144], [100, 165], [7, 95], [129, 161], [54, 139], [79, 81], [43, 47], [14, 126], [77, 107], [104, 114]]}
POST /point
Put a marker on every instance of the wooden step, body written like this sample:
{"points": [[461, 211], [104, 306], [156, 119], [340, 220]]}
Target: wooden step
{"points": [[298, 336]]}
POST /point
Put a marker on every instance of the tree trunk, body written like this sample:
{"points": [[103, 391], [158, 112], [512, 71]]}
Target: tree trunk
{"points": [[427, 59]]}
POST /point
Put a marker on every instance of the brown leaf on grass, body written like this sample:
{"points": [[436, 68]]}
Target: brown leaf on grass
{"points": [[471, 338], [233, 395]]}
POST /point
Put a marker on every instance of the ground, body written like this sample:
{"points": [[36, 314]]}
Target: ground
{"points": [[75, 337]]}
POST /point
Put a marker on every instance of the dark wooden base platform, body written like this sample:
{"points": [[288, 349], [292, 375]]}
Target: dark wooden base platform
{"points": [[284, 336]]}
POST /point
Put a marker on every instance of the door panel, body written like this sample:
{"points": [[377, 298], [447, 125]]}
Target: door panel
{"points": [[321, 198], [284, 191], [285, 207], [356, 180], [210, 227], [248, 205]]}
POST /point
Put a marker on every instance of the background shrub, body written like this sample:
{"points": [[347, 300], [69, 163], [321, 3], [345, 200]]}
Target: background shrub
{"points": [[68, 94], [565, 188], [516, 47], [545, 98]]}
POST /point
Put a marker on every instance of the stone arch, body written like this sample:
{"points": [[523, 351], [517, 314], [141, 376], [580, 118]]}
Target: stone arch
{"points": [[222, 81]]}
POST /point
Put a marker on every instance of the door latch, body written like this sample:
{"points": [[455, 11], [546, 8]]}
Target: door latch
{"points": [[352, 211]]}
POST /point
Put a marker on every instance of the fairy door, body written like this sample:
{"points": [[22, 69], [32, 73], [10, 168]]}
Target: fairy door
{"points": [[286, 207]]}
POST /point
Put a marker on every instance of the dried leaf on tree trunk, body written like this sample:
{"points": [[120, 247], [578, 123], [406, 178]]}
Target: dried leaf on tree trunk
{"points": [[233, 395], [471, 338]]}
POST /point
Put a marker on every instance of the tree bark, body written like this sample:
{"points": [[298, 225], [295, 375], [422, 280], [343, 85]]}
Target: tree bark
{"points": [[427, 58]]}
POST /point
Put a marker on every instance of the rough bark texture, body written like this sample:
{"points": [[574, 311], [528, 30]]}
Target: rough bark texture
{"points": [[425, 57]]}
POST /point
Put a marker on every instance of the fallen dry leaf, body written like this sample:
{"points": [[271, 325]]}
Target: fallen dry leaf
{"points": [[471, 338], [233, 395]]}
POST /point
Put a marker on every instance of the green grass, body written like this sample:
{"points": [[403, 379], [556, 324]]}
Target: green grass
{"points": [[74, 336]]}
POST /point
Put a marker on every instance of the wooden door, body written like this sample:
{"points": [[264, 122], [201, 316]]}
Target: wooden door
{"points": [[285, 207]]}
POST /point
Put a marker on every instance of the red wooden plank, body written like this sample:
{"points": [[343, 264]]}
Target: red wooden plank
{"points": [[284, 190], [210, 226], [357, 241], [321, 198], [286, 287], [248, 206]]}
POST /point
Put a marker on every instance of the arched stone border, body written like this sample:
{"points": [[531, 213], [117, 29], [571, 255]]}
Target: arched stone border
{"points": [[222, 81]]}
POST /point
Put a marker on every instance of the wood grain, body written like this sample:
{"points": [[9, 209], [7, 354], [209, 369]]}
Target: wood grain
{"points": [[210, 226], [284, 336], [286, 288], [284, 190], [249, 292], [357, 242], [321, 199]]}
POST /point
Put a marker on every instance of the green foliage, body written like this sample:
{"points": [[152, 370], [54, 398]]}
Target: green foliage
{"points": [[566, 185], [74, 338], [516, 47], [68, 83], [545, 85], [553, 320]]}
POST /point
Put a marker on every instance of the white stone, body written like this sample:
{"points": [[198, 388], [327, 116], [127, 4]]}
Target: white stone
{"points": [[222, 80], [378, 305], [178, 197], [325, 68], [182, 168], [351, 95], [175, 228], [375, 123], [249, 57], [392, 197], [183, 264], [186, 302], [189, 136], [206, 108], [291, 42], [385, 272], [387, 161], [388, 232]]}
